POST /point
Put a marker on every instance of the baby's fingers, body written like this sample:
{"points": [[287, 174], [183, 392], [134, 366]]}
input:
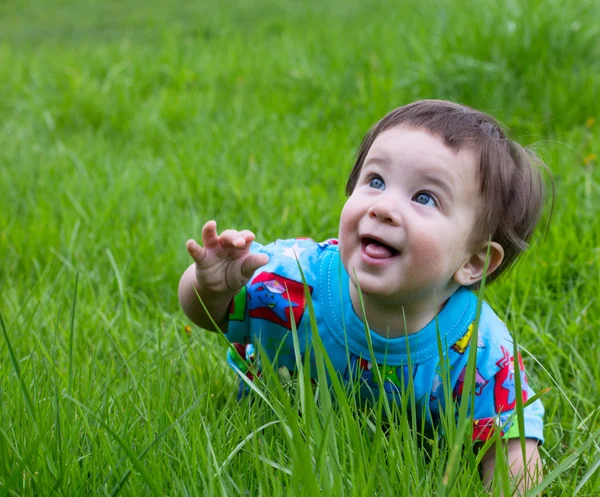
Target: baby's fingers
{"points": [[252, 263], [232, 239], [197, 252], [209, 234], [248, 236]]}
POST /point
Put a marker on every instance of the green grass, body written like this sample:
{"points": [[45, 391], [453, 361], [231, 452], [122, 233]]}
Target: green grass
{"points": [[124, 127]]}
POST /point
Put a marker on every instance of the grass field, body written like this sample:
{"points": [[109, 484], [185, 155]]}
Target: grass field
{"points": [[124, 127]]}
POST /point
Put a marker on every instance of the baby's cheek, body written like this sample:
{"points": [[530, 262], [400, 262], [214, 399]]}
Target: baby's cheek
{"points": [[429, 250], [429, 258]]}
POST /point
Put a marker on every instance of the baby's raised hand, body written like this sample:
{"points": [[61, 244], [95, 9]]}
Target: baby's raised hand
{"points": [[224, 262]]}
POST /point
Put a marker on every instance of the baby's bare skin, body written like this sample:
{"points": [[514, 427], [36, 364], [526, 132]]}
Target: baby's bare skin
{"points": [[222, 266]]}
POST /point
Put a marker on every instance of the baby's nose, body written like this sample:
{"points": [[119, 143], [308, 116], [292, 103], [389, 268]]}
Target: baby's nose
{"points": [[385, 212]]}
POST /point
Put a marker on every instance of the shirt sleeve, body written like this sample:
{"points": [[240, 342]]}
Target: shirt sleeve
{"points": [[238, 327], [495, 406], [273, 299]]}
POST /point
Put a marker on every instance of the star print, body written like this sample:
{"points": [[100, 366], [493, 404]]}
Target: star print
{"points": [[294, 251]]}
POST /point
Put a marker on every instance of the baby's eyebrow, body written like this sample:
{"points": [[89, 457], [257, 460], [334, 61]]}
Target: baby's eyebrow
{"points": [[375, 161]]}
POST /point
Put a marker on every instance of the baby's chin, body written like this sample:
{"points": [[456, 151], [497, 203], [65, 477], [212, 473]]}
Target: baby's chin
{"points": [[376, 292]]}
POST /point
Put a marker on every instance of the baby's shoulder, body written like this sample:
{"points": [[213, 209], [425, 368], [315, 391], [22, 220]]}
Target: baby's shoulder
{"points": [[287, 257], [491, 327], [297, 248], [495, 342]]}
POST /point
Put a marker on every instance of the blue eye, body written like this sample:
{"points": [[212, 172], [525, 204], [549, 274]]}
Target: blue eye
{"points": [[424, 198], [377, 183]]}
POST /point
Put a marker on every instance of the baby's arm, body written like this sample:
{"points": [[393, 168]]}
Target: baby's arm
{"points": [[221, 267], [525, 477]]}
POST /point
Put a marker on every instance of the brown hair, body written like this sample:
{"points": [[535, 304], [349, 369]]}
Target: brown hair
{"points": [[510, 176]]}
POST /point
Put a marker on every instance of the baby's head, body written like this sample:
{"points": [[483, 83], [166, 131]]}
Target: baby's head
{"points": [[507, 179]]}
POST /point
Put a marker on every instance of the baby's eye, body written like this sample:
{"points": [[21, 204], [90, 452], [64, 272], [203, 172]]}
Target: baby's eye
{"points": [[377, 182], [425, 198]]}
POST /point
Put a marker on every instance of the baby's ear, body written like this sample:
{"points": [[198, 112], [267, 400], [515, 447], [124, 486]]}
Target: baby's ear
{"points": [[472, 270]]}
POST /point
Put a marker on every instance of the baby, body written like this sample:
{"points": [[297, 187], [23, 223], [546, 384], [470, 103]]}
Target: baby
{"points": [[438, 196]]}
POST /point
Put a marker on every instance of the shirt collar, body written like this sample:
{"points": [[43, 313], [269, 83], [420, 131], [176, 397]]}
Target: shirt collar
{"points": [[339, 316]]}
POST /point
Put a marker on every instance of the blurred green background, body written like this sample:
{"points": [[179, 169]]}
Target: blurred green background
{"points": [[124, 126]]}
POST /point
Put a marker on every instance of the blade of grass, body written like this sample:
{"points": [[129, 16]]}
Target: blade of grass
{"points": [[17, 370], [378, 375], [135, 460], [17, 473], [468, 395], [72, 335], [241, 445], [117, 488], [564, 465], [588, 474], [519, 405], [322, 379]]}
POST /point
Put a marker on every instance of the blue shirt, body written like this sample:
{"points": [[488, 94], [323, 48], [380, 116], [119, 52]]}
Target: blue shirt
{"points": [[263, 311]]}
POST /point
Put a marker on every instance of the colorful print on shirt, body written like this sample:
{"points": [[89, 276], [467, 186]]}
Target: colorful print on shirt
{"points": [[271, 297], [505, 388]]}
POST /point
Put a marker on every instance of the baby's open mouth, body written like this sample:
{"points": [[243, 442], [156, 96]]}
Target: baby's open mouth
{"points": [[376, 249]]}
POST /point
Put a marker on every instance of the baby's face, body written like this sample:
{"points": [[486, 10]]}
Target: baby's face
{"points": [[406, 228]]}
